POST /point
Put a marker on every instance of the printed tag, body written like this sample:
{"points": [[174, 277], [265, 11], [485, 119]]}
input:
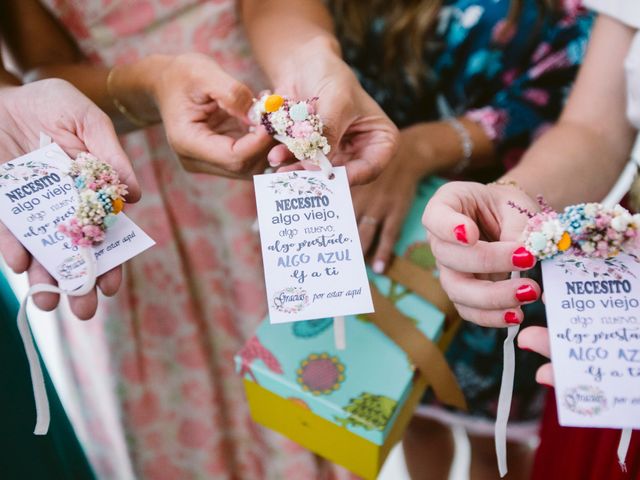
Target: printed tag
{"points": [[311, 250], [37, 195], [593, 312]]}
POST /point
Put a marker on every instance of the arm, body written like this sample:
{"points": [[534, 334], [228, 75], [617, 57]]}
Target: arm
{"points": [[593, 138], [202, 107], [295, 44], [55, 107], [475, 233]]}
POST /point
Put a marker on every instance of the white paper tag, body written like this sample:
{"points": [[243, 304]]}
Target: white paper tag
{"points": [[593, 313], [36, 195], [311, 250]]}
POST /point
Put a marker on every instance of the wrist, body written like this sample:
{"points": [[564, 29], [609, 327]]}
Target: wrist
{"points": [[135, 86], [320, 53]]}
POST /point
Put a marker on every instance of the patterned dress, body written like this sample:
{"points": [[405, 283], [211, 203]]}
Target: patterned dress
{"points": [[513, 80], [157, 388]]}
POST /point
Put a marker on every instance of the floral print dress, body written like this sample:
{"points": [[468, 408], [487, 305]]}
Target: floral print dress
{"points": [[157, 392], [513, 81]]}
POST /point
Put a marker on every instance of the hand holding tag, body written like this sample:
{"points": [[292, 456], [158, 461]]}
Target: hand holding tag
{"points": [[55, 107]]}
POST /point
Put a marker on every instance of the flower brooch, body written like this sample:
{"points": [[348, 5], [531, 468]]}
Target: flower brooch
{"points": [[296, 125], [101, 198], [586, 230]]}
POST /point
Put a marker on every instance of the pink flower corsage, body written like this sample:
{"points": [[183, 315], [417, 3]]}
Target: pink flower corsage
{"points": [[584, 230], [296, 125], [101, 198]]}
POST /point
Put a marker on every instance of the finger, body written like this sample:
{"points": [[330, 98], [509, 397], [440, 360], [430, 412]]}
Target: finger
{"points": [[443, 217], [472, 292], [16, 256], [37, 274], [84, 307], [367, 228], [483, 257], [535, 339], [110, 282], [278, 155], [491, 318], [386, 242], [544, 375], [233, 96], [235, 157], [101, 140]]}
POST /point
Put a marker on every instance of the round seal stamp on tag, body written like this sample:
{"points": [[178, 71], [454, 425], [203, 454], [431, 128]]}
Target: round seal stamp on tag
{"points": [[587, 400], [291, 300]]}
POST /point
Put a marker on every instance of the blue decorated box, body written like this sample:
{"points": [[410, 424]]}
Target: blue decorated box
{"points": [[349, 406]]}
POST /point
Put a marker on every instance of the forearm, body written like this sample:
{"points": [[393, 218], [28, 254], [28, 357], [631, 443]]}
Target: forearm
{"points": [[438, 148], [572, 163], [129, 86], [278, 27]]}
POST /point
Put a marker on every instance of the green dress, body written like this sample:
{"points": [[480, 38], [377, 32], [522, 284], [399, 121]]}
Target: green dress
{"points": [[23, 455]]}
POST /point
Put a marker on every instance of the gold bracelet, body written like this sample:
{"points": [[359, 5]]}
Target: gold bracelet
{"points": [[134, 119], [507, 183]]}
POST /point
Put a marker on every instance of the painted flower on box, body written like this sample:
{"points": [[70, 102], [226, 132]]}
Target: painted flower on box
{"points": [[369, 411], [254, 350], [321, 374], [311, 328]]}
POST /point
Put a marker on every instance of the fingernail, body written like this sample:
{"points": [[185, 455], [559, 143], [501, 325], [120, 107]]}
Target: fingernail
{"points": [[523, 258], [526, 349], [526, 293], [461, 233], [511, 318], [378, 266], [274, 164]]}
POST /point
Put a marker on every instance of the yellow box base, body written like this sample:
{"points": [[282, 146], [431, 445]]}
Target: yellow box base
{"points": [[330, 441]]}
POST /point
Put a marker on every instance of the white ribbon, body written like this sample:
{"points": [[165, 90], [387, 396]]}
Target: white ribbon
{"points": [[623, 447], [37, 377], [615, 195], [506, 393]]}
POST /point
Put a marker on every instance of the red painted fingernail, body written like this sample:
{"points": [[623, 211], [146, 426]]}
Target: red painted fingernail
{"points": [[526, 293], [523, 258], [461, 233], [511, 318]]}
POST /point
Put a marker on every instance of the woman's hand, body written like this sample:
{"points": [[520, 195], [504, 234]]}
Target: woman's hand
{"points": [[203, 109], [474, 236], [382, 205], [77, 125], [362, 137], [537, 340]]}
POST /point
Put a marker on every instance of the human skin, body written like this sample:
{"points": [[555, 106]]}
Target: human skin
{"points": [[203, 109], [77, 125], [578, 160], [295, 44]]}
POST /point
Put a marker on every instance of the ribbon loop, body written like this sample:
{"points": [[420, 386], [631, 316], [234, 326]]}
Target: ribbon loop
{"points": [[37, 377]]}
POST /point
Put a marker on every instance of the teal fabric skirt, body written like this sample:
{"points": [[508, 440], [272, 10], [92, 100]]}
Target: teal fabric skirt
{"points": [[23, 455]]}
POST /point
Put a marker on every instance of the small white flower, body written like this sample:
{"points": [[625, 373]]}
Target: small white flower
{"points": [[619, 224], [590, 209], [588, 247]]}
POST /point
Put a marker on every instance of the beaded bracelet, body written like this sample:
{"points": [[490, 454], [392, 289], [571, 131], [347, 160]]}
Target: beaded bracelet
{"points": [[585, 230], [466, 143], [101, 198], [296, 125]]}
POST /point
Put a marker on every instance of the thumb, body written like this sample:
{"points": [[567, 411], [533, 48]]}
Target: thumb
{"points": [[233, 96], [101, 140]]}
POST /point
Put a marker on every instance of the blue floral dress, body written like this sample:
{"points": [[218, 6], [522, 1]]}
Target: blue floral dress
{"points": [[513, 82]]}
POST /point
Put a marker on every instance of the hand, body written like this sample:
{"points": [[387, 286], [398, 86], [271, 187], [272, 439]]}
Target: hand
{"points": [[204, 111], [382, 205], [473, 234], [77, 125], [360, 134], [537, 339]]}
